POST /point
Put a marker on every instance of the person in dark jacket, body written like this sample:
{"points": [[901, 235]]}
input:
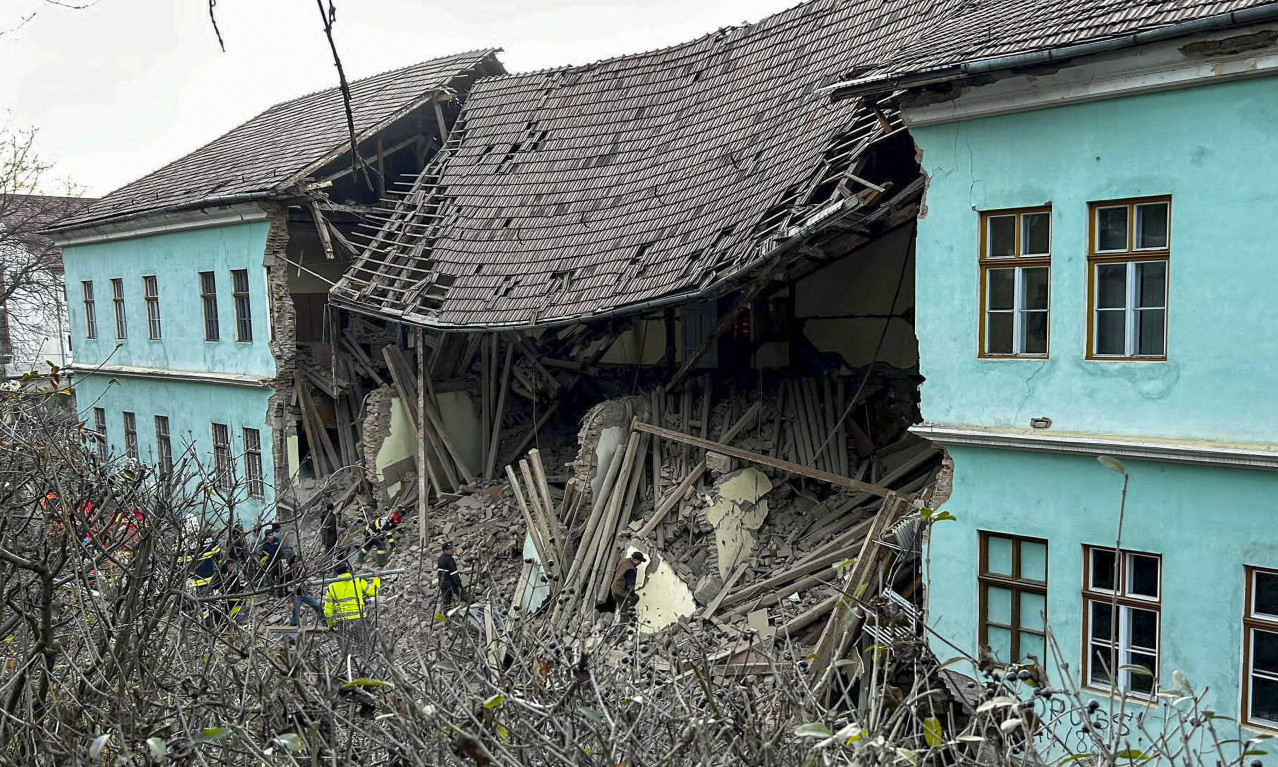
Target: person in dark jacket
{"points": [[450, 584], [623, 586], [328, 528], [379, 538]]}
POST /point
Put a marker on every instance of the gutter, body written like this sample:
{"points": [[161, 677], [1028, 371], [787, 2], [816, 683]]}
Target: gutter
{"points": [[118, 227], [188, 376], [797, 236], [877, 85]]}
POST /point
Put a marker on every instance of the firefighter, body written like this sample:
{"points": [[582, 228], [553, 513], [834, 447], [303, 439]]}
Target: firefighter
{"points": [[346, 608], [450, 584], [379, 538], [235, 585], [204, 568], [273, 555]]}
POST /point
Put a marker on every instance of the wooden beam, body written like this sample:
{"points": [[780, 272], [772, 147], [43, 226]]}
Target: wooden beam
{"points": [[776, 463]]}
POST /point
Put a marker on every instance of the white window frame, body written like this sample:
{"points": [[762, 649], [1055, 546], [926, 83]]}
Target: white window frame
{"points": [[100, 429], [163, 444], [1131, 312], [1129, 256], [151, 296], [1253, 622], [1017, 262], [1127, 601]]}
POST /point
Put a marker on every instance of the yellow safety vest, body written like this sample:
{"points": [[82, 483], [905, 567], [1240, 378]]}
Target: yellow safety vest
{"points": [[344, 598]]}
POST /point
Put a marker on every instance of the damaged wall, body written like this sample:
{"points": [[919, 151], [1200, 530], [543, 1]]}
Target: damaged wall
{"points": [[736, 512], [842, 307], [664, 597], [283, 345]]}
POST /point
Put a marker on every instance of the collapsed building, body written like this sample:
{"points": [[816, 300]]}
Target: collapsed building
{"points": [[689, 289]]}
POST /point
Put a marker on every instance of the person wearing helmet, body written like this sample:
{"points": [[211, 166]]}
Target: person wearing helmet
{"points": [[379, 537]]}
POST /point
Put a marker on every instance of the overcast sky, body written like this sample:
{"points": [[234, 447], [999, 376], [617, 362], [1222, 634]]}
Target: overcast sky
{"points": [[125, 86]]}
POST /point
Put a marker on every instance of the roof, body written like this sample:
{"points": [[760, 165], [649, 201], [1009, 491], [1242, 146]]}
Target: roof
{"points": [[24, 217], [570, 192], [280, 146], [989, 30]]}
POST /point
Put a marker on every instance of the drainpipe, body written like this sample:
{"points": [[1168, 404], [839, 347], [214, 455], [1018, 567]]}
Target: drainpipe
{"points": [[868, 85]]}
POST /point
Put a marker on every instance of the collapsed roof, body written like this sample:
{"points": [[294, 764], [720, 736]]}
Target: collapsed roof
{"points": [[568, 193], [999, 34], [288, 142]]}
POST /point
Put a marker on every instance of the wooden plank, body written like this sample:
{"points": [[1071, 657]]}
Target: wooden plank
{"points": [[764, 460], [485, 411], [317, 427], [534, 532], [494, 440], [723, 591], [531, 434]]}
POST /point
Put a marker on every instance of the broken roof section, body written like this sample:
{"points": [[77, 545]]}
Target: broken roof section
{"points": [[575, 192], [288, 142], [1002, 34]]}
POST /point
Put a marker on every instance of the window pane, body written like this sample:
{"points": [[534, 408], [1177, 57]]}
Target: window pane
{"points": [[1001, 288], [1142, 575], [998, 333], [1035, 330], [1032, 608], [1111, 286], [1034, 287], [1151, 333], [1264, 699], [1033, 561], [1036, 234], [1000, 641], [1142, 629], [1264, 596], [998, 605], [1111, 228], [1100, 624], [1142, 683], [1102, 570], [998, 555], [1264, 651], [1151, 225], [1111, 332], [1151, 284], [1002, 237], [1099, 666], [1032, 644]]}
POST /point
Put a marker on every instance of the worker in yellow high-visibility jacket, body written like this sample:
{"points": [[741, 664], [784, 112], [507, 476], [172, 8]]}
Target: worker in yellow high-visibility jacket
{"points": [[345, 598]]}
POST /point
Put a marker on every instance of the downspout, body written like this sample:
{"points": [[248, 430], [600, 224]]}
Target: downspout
{"points": [[864, 86]]}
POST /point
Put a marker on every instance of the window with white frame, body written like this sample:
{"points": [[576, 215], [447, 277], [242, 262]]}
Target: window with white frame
{"points": [[1015, 263], [208, 297], [130, 435], [1122, 595], [117, 300], [1128, 261], [163, 445], [223, 466], [253, 463], [151, 294], [90, 310], [243, 309], [1260, 649], [100, 431]]}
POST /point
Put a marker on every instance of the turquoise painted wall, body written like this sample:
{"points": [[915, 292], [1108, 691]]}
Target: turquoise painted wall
{"points": [[1206, 522], [1211, 149], [192, 408], [176, 259]]}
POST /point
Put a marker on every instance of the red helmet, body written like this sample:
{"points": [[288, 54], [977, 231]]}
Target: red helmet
{"points": [[395, 517]]}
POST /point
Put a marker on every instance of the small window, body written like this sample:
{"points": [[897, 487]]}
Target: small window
{"points": [[130, 435], [1260, 649], [151, 292], [253, 463], [1122, 624], [1015, 282], [100, 431], [243, 309], [208, 297], [223, 467], [117, 300], [90, 310], [1128, 280], [1013, 597], [163, 445]]}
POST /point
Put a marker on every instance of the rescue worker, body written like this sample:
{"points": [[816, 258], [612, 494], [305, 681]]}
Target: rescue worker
{"points": [[450, 584], [295, 577], [235, 585], [623, 586], [379, 538], [204, 570], [328, 528], [272, 557], [345, 604]]}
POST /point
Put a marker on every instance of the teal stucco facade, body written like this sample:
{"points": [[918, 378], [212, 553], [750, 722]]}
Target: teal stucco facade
{"points": [[193, 381], [1208, 148]]}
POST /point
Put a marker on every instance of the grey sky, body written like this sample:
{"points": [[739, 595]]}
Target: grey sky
{"points": [[125, 86]]}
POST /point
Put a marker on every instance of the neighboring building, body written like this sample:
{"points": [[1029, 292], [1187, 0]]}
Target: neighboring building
{"points": [[34, 335], [1093, 272], [197, 294]]}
